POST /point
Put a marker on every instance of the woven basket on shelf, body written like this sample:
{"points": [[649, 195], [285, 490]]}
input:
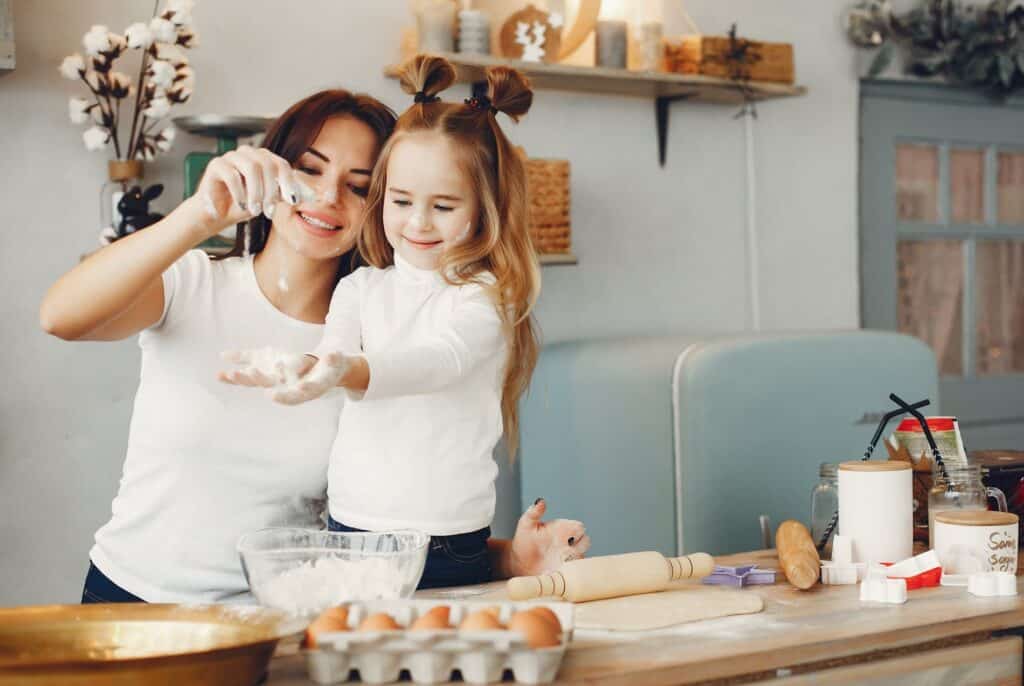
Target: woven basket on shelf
{"points": [[548, 182]]}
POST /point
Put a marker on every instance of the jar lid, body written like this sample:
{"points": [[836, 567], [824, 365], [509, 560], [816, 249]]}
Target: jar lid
{"points": [[934, 423], [997, 458], [874, 466], [976, 518]]}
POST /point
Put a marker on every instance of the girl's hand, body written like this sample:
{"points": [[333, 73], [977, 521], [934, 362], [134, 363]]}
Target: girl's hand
{"points": [[265, 367], [315, 381], [241, 184], [539, 547]]}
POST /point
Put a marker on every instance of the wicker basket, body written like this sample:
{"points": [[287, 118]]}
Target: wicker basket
{"points": [[548, 182]]}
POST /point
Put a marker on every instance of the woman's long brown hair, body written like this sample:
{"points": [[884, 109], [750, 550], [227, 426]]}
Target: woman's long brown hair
{"points": [[295, 130], [500, 245]]}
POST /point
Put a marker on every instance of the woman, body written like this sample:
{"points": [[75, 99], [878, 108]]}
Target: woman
{"points": [[207, 462]]}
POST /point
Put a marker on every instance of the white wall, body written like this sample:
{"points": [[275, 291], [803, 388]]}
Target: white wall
{"points": [[659, 249]]}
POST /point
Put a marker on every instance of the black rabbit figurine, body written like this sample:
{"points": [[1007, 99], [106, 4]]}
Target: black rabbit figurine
{"points": [[134, 209]]}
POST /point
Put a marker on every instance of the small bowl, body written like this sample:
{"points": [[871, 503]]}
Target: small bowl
{"points": [[305, 571]]}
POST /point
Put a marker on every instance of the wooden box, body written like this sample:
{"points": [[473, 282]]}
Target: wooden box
{"points": [[710, 56]]}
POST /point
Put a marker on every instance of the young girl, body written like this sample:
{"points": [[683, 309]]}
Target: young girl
{"points": [[434, 341]]}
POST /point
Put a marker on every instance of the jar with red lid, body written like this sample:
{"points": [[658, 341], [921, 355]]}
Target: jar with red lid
{"points": [[944, 430]]}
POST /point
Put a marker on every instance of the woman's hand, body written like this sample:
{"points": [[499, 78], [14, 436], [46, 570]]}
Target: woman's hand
{"points": [[295, 378], [241, 184], [539, 547]]}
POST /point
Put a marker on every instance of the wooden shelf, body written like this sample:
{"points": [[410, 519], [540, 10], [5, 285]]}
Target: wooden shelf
{"points": [[662, 87], [644, 84], [551, 259]]}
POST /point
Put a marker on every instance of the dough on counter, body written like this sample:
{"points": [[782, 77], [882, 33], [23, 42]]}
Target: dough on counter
{"points": [[667, 608]]}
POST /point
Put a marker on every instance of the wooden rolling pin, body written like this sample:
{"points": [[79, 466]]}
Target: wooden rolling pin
{"points": [[611, 576], [797, 555]]}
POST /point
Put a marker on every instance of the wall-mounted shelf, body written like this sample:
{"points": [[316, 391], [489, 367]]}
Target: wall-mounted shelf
{"points": [[664, 88], [553, 259]]}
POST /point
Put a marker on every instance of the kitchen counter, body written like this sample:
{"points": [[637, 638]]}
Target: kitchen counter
{"points": [[822, 636]]}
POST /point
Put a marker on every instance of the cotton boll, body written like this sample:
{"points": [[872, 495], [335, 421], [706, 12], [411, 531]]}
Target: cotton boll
{"points": [[158, 108], [96, 40], [138, 35], [161, 73], [180, 11], [163, 30], [95, 138], [78, 110], [73, 67]]}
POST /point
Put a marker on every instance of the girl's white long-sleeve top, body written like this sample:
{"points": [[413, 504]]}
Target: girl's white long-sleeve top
{"points": [[416, 449]]}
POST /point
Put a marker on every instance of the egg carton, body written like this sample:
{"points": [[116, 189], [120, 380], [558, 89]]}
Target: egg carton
{"points": [[433, 656]]}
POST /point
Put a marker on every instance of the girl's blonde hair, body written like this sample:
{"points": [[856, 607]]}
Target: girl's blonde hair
{"points": [[501, 244]]}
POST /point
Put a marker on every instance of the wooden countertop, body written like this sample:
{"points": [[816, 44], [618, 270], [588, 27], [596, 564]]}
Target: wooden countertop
{"points": [[798, 631]]}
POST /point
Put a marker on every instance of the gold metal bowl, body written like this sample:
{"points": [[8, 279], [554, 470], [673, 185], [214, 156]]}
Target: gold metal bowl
{"points": [[137, 643]]}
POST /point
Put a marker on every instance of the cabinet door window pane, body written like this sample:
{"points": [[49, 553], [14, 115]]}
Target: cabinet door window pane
{"points": [[930, 283], [917, 183], [1010, 188], [999, 275], [967, 186]]}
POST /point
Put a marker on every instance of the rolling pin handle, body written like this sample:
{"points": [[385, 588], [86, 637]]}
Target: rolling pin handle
{"points": [[529, 587], [695, 566]]}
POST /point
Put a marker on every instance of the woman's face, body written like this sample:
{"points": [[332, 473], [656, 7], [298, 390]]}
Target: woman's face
{"points": [[337, 167], [429, 203]]}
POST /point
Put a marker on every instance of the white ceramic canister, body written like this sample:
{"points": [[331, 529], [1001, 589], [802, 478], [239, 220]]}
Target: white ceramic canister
{"points": [[876, 509], [976, 541]]}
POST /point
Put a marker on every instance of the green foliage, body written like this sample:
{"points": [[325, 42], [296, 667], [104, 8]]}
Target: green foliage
{"points": [[979, 46]]}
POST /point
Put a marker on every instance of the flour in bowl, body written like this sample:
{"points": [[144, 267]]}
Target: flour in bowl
{"points": [[319, 584]]}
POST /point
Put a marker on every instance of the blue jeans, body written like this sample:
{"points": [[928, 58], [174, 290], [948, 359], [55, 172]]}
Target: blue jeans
{"points": [[99, 589], [457, 560]]}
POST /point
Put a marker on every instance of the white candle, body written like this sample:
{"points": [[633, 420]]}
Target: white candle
{"points": [[648, 46], [474, 32], [435, 22], [610, 44]]}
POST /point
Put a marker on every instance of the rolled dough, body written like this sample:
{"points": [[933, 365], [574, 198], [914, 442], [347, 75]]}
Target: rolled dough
{"points": [[667, 608]]}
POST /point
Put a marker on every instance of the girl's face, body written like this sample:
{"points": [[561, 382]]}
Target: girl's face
{"points": [[336, 166], [429, 203]]}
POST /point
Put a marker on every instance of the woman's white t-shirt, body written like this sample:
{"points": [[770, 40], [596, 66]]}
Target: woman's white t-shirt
{"points": [[207, 462]]}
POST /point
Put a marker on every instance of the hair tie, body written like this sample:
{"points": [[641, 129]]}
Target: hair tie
{"points": [[481, 102], [422, 97]]}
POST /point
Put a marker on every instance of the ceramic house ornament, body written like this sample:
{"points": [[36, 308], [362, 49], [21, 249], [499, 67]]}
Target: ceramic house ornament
{"points": [[532, 35]]}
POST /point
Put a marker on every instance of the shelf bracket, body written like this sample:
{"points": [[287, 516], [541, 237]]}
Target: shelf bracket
{"points": [[661, 104]]}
